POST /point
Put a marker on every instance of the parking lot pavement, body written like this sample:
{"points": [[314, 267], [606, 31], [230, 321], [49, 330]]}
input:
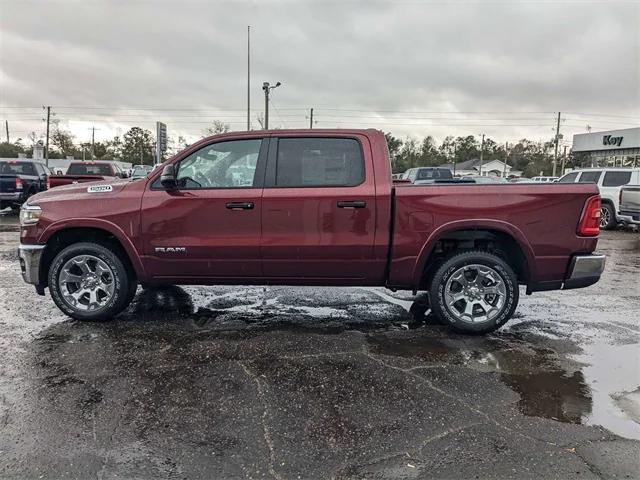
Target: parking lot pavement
{"points": [[212, 382]]}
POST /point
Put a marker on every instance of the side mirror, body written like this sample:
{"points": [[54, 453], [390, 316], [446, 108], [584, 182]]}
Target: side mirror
{"points": [[168, 178]]}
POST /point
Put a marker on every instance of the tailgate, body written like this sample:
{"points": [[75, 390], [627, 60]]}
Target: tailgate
{"points": [[7, 183]]}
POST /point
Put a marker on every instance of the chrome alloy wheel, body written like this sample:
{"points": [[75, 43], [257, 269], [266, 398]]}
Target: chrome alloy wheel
{"points": [[605, 217], [475, 293], [86, 283]]}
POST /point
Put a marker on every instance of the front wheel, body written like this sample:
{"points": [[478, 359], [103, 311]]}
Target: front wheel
{"points": [[474, 292], [89, 282]]}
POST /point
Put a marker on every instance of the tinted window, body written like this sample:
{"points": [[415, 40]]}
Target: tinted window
{"points": [[445, 173], [11, 168], [229, 164], [615, 179], [426, 174], [590, 177], [317, 162], [569, 177], [90, 169]]}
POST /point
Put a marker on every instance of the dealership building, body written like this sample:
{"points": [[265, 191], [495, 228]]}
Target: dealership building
{"points": [[614, 148]]}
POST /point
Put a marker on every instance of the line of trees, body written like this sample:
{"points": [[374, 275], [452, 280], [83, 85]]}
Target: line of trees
{"points": [[137, 146]]}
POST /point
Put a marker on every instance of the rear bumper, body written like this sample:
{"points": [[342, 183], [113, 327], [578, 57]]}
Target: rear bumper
{"points": [[633, 216], [11, 196], [30, 256], [584, 270]]}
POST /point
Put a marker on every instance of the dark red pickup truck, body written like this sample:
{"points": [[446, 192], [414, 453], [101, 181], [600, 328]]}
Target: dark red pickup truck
{"points": [[89, 171], [309, 207]]}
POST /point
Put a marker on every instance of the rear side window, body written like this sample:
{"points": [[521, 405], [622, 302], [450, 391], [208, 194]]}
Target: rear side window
{"points": [[17, 168], [89, 169], [445, 173], [591, 177], [319, 162], [615, 179]]}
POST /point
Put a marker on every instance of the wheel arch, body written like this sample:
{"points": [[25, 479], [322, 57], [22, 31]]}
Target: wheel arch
{"points": [[475, 233], [58, 236]]}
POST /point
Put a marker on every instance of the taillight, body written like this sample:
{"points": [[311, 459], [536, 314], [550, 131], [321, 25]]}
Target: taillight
{"points": [[48, 183], [589, 225], [18, 183]]}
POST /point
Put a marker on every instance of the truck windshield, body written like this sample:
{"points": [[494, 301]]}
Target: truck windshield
{"points": [[89, 169], [11, 168]]}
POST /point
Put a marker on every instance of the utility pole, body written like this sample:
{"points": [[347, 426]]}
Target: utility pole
{"points": [[248, 77], [555, 153], [481, 153], [93, 141], [311, 119], [267, 89], [564, 159], [506, 159], [46, 151], [454, 160], [6, 126]]}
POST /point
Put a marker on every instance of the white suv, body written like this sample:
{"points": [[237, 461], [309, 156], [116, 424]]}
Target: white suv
{"points": [[609, 181]]}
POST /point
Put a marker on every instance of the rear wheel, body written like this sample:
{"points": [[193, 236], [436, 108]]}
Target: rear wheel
{"points": [[607, 217], [474, 292], [88, 281]]}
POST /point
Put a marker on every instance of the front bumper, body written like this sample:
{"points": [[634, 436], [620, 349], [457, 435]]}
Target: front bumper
{"points": [[30, 256], [584, 270]]}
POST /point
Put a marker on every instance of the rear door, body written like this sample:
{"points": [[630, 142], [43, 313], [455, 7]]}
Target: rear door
{"points": [[319, 211]]}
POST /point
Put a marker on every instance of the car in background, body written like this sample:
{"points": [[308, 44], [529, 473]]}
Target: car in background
{"points": [[630, 202], [19, 180], [89, 171], [483, 179], [609, 181], [544, 179], [141, 171], [425, 175]]}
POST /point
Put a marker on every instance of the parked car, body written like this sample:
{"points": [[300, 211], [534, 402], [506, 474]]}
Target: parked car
{"points": [[425, 175], [630, 202], [80, 172], [609, 182], [309, 207], [544, 179], [19, 180], [484, 179], [141, 171]]}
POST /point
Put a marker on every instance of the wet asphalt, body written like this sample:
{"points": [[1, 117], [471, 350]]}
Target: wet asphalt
{"points": [[247, 382]]}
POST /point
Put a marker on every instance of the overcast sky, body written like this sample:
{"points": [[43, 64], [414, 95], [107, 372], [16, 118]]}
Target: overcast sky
{"points": [[413, 68]]}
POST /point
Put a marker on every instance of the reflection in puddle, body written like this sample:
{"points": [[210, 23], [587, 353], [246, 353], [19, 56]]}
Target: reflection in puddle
{"points": [[525, 358]]}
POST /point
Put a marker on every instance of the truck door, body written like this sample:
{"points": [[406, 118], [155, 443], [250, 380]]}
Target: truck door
{"points": [[319, 210], [210, 226]]}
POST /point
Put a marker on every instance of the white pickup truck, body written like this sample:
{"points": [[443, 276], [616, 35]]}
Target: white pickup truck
{"points": [[610, 181]]}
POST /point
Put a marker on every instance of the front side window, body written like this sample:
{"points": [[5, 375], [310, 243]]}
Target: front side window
{"points": [[229, 164], [615, 179], [569, 178], [425, 174], [319, 162], [591, 177]]}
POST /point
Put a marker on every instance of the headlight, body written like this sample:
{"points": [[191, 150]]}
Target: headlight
{"points": [[29, 214]]}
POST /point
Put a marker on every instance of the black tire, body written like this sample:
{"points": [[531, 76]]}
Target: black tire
{"points": [[123, 290], [446, 313], [608, 217]]}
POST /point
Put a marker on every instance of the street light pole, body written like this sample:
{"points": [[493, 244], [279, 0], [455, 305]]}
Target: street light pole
{"points": [[267, 89]]}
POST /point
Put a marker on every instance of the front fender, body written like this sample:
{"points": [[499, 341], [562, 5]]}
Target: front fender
{"points": [[100, 224], [472, 224]]}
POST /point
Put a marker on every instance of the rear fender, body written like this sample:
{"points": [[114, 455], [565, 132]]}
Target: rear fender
{"points": [[473, 224]]}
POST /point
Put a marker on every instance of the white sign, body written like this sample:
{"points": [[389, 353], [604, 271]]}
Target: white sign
{"points": [[99, 189], [609, 140]]}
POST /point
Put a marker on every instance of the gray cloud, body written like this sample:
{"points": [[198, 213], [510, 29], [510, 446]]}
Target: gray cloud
{"points": [[358, 63]]}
